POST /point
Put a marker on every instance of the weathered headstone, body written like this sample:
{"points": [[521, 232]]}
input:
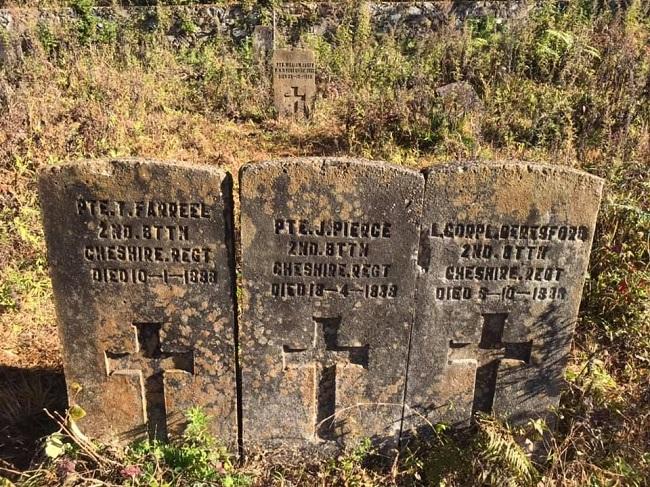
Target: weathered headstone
{"points": [[294, 83], [459, 98], [503, 255], [462, 106], [142, 269], [262, 43], [328, 264]]}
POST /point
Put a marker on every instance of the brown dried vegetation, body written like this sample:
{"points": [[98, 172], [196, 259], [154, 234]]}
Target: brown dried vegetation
{"points": [[570, 84]]}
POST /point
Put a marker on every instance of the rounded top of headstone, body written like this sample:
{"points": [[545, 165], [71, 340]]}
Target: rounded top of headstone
{"points": [[109, 167], [513, 166], [130, 178], [514, 188], [322, 163], [295, 51]]}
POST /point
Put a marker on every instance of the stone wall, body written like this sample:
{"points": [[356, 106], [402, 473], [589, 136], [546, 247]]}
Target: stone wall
{"points": [[189, 25]]}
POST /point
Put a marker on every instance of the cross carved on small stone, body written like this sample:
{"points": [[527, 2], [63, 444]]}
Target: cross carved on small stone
{"points": [[296, 101], [489, 353], [151, 362], [324, 355]]}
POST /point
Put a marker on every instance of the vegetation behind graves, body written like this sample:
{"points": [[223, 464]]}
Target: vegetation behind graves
{"points": [[568, 84]]}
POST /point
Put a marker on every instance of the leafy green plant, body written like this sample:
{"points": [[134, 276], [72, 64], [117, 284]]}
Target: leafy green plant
{"points": [[91, 28], [351, 467], [566, 83], [186, 25], [503, 461], [196, 457], [47, 39]]}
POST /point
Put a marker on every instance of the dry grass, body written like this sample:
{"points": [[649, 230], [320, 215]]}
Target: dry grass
{"points": [[135, 95]]}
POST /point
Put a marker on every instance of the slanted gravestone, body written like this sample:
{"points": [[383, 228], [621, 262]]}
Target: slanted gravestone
{"points": [[142, 269], [459, 98], [262, 43], [294, 84], [503, 256], [328, 266]]}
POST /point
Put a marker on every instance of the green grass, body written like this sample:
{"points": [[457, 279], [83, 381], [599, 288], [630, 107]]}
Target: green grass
{"points": [[567, 85]]}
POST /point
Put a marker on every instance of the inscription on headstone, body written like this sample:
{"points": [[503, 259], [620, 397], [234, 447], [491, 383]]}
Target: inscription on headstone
{"points": [[503, 255], [141, 262], [328, 262], [294, 84]]}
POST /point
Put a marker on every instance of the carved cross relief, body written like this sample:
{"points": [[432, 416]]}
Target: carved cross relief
{"points": [[296, 101], [150, 362], [489, 353], [324, 355]]}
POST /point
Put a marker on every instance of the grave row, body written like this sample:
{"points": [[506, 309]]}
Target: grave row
{"points": [[375, 300]]}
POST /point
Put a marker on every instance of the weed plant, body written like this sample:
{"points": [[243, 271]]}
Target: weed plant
{"points": [[567, 84]]}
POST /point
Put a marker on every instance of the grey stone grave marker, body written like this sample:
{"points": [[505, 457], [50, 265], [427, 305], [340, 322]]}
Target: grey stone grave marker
{"points": [[262, 43], [503, 255], [294, 83], [142, 269], [328, 262]]}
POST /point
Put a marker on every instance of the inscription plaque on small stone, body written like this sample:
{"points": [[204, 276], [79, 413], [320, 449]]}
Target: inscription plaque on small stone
{"points": [[503, 255], [329, 250], [142, 268], [294, 83]]}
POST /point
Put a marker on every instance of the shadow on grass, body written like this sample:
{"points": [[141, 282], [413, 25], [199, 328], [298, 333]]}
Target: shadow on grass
{"points": [[24, 395]]}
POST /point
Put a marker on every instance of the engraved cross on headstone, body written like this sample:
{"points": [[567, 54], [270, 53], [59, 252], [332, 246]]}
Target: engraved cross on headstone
{"points": [[324, 355], [150, 362], [489, 353], [296, 101]]}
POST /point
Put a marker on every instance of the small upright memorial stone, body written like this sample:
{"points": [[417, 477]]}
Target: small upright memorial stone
{"points": [[294, 83], [262, 43], [142, 268], [503, 255], [328, 262]]}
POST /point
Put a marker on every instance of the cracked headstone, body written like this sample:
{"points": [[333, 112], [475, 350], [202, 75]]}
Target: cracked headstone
{"points": [[503, 257], [294, 82], [328, 253], [142, 268]]}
